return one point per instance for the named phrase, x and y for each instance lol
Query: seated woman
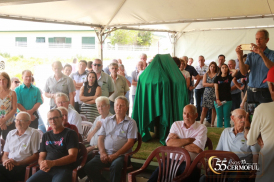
(223, 101)
(65, 123)
(88, 94)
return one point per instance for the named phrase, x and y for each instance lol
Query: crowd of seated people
(99, 95)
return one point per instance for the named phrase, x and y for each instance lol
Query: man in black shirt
(58, 151)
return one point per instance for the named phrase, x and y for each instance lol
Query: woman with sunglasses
(8, 105)
(223, 101)
(14, 83)
(88, 94)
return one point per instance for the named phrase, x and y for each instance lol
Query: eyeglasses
(16, 82)
(20, 120)
(97, 65)
(54, 118)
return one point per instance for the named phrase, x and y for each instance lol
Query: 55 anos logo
(217, 165)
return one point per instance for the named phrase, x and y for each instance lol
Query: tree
(131, 37)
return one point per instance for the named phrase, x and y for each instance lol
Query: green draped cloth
(161, 95)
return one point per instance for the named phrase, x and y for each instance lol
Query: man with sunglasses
(21, 149)
(14, 83)
(58, 151)
(104, 80)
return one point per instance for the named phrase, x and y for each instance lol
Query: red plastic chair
(170, 167)
(203, 158)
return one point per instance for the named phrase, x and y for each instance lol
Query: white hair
(233, 113)
(60, 94)
(113, 64)
(62, 108)
(25, 113)
(102, 99)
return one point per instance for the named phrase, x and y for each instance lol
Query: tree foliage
(131, 37)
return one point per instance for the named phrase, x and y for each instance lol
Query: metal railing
(21, 44)
(59, 45)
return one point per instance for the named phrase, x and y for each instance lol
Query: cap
(270, 76)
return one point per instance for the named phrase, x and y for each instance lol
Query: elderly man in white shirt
(187, 134)
(74, 118)
(20, 150)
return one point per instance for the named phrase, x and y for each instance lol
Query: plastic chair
(86, 127)
(81, 160)
(167, 168)
(209, 144)
(203, 158)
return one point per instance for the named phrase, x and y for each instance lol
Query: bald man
(29, 98)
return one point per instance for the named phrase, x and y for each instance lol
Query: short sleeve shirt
(74, 118)
(64, 85)
(120, 87)
(224, 87)
(237, 144)
(117, 135)
(28, 97)
(258, 70)
(78, 79)
(201, 72)
(57, 145)
(106, 84)
(21, 147)
(191, 71)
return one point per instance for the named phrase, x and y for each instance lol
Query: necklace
(89, 86)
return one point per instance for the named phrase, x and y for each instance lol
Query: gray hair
(25, 113)
(57, 62)
(122, 98)
(143, 54)
(102, 99)
(52, 110)
(266, 34)
(234, 62)
(62, 108)
(113, 64)
(13, 78)
(121, 65)
(60, 94)
(233, 113)
(115, 61)
(98, 60)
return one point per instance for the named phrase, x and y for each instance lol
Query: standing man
(134, 75)
(221, 61)
(120, 85)
(29, 98)
(143, 58)
(58, 152)
(235, 92)
(261, 132)
(129, 79)
(104, 80)
(79, 77)
(74, 117)
(21, 149)
(59, 83)
(199, 90)
(106, 69)
(116, 138)
(190, 61)
(193, 73)
(259, 61)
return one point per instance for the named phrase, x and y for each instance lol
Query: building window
(60, 42)
(21, 41)
(40, 40)
(88, 42)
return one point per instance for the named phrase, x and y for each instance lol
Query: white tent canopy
(174, 16)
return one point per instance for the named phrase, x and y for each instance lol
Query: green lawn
(147, 147)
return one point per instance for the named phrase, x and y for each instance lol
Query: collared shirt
(201, 71)
(258, 70)
(196, 130)
(21, 147)
(28, 97)
(78, 79)
(237, 144)
(106, 84)
(120, 87)
(94, 139)
(117, 135)
(64, 85)
(134, 76)
(75, 119)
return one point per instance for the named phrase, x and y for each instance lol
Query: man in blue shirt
(259, 61)
(29, 98)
